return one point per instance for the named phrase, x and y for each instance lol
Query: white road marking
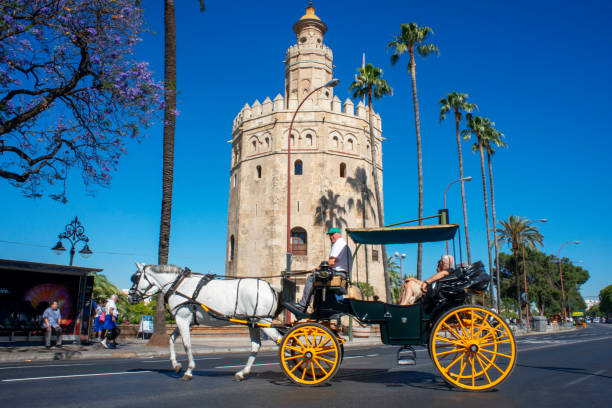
(242, 365)
(564, 343)
(267, 364)
(75, 375)
(195, 359)
(584, 377)
(47, 365)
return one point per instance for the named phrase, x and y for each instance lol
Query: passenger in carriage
(414, 289)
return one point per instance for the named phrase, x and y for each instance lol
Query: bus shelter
(28, 288)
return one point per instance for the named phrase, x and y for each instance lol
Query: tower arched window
(349, 145)
(231, 248)
(336, 142)
(342, 169)
(298, 168)
(299, 241)
(267, 143)
(292, 141)
(254, 146)
(308, 140)
(258, 172)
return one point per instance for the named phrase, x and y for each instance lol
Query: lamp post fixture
(330, 84)
(561, 275)
(525, 274)
(74, 233)
(468, 178)
(400, 257)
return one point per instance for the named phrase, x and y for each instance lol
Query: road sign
(146, 325)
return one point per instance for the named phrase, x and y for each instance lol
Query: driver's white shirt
(340, 251)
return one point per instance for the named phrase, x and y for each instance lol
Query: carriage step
(406, 356)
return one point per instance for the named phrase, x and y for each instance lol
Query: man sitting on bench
(414, 289)
(338, 262)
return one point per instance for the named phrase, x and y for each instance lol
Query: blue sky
(539, 70)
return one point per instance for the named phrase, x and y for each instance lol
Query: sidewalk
(132, 348)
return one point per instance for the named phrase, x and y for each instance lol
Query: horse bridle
(134, 290)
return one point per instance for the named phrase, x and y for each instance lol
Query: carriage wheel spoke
(446, 340)
(484, 369)
(473, 370)
(324, 359)
(299, 350)
(447, 369)
(496, 353)
(442, 353)
(491, 362)
(294, 357)
(463, 329)
(298, 340)
(296, 366)
(312, 370)
(325, 372)
(452, 331)
(496, 342)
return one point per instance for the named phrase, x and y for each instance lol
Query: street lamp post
(400, 257)
(74, 233)
(330, 84)
(469, 178)
(561, 275)
(525, 275)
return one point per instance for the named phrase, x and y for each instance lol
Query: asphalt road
(561, 370)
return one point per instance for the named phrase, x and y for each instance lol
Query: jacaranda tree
(71, 92)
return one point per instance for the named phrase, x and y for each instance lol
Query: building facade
(331, 170)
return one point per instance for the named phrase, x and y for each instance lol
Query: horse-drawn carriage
(471, 346)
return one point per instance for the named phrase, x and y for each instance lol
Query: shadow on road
(569, 370)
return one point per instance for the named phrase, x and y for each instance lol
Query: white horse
(230, 298)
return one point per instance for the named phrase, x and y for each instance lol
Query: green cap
(334, 230)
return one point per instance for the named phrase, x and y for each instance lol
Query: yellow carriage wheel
(473, 348)
(310, 354)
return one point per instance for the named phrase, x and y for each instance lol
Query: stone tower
(331, 170)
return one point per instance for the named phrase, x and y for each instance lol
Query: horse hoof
(187, 377)
(178, 368)
(238, 377)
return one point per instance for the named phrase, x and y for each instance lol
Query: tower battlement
(321, 104)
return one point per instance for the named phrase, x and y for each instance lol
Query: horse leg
(183, 324)
(175, 364)
(255, 334)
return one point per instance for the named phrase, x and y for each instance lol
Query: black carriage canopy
(403, 235)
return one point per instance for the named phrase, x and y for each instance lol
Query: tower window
(303, 40)
(299, 243)
(375, 255)
(253, 146)
(292, 141)
(258, 172)
(336, 142)
(349, 145)
(231, 248)
(308, 140)
(298, 167)
(342, 170)
(267, 143)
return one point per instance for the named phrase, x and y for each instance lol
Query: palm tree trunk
(465, 219)
(486, 209)
(159, 336)
(417, 122)
(494, 226)
(518, 283)
(381, 216)
(365, 247)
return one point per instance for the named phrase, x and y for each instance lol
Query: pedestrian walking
(99, 319)
(52, 320)
(110, 323)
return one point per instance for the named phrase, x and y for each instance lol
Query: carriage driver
(338, 261)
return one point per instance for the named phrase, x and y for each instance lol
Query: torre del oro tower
(331, 170)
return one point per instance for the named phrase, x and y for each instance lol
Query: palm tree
(494, 137)
(414, 36)
(479, 126)
(457, 103)
(368, 81)
(159, 337)
(514, 232)
(359, 183)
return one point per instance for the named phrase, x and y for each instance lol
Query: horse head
(142, 285)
